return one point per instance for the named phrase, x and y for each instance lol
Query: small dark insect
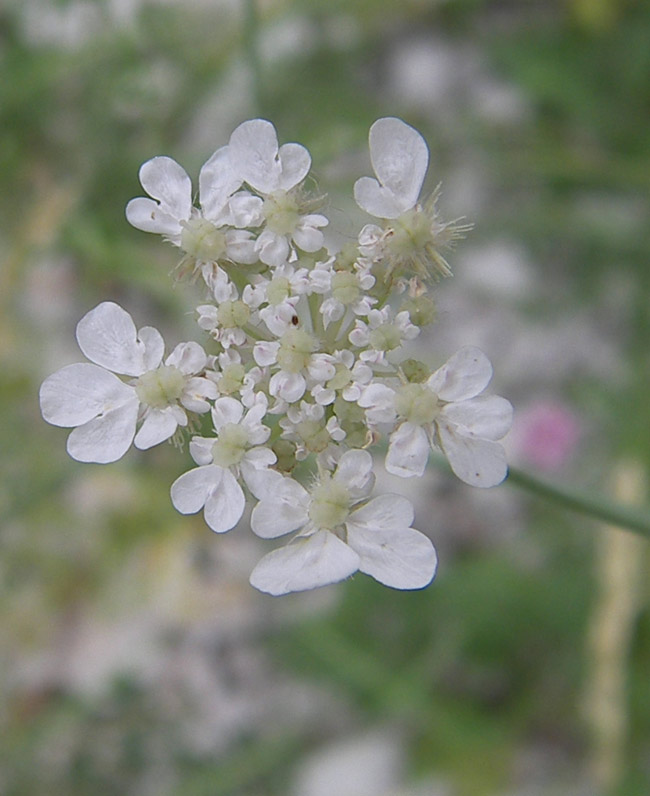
(294, 320)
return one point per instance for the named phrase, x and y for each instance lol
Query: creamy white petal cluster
(303, 362)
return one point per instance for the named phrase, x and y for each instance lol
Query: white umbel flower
(275, 172)
(237, 451)
(103, 409)
(413, 232)
(206, 235)
(447, 412)
(339, 532)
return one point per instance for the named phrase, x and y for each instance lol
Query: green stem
(637, 520)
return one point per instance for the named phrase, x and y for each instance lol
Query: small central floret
(417, 404)
(411, 233)
(161, 387)
(345, 287)
(202, 240)
(296, 348)
(231, 446)
(278, 290)
(233, 314)
(330, 504)
(280, 210)
(385, 337)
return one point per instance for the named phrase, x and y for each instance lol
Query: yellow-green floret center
(202, 240)
(411, 234)
(233, 314)
(231, 445)
(345, 287)
(280, 210)
(330, 504)
(296, 347)
(417, 404)
(161, 387)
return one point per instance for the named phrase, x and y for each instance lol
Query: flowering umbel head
(413, 236)
(303, 363)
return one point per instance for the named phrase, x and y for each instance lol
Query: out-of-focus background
(134, 656)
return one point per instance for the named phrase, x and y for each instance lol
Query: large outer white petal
(402, 558)
(225, 505)
(190, 491)
(464, 375)
(254, 154)
(400, 158)
(166, 180)
(147, 215)
(213, 488)
(106, 438)
(75, 394)
(487, 416)
(217, 182)
(383, 513)
(375, 199)
(281, 511)
(158, 426)
(408, 451)
(295, 162)
(476, 461)
(108, 337)
(154, 347)
(305, 563)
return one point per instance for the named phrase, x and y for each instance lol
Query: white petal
(308, 238)
(217, 182)
(263, 483)
(375, 199)
(383, 513)
(402, 558)
(201, 449)
(154, 347)
(476, 461)
(464, 375)
(306, 563)
(106, 438)
(487, 416)
(226, 410)
(257, 459)
(254, 152)
(400, 158)
(225, 505)
(190, 491)
(148, 216)
(108, 337)
(158, 426)
(272, 249)
(265, 353)
(408, 451)
(295, 161)
(355, 470)
(165, 180)
(379, 400)
(282, 510)
(75, 394)
(290, 386)
(189, 358)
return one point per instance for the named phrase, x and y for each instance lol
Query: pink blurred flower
(545, 435)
